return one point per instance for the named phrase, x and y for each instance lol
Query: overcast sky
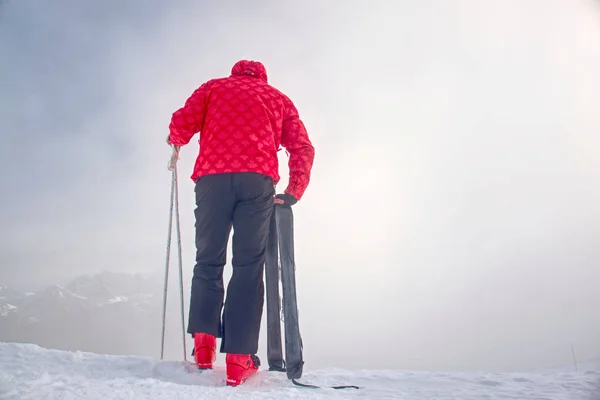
(453, 217)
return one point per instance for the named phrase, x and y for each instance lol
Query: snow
(118, 299)
(31, 372)
(61, 292)
(6, 308)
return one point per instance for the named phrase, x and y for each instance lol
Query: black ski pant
(243, 201)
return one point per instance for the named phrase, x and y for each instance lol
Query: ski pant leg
(245, 292)
(215, 202)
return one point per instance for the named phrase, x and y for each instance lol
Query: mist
(452, 221)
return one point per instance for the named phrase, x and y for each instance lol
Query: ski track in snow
(30, 372)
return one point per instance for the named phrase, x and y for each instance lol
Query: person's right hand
(284, 199)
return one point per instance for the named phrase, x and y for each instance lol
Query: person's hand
(285, 199)
(174, 157)
(169, 140)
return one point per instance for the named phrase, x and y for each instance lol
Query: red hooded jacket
(243, 121)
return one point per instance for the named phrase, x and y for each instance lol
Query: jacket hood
(252, 68)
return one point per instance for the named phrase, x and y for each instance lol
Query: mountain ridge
(123, 309)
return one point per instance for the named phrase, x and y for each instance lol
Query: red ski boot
(240, 367)
(205, 350)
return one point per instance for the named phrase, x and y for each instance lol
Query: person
(243, 122)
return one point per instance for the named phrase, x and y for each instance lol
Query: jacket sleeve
(295, 140)
(189, 119)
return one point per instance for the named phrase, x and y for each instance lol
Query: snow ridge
(31, 372)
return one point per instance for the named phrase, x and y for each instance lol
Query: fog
(453, 216)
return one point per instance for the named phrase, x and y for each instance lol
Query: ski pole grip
(174, 158)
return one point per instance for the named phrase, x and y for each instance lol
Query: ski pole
(172, 166)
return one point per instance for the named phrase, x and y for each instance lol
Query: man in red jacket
(242, 122)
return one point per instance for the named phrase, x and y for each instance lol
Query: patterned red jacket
(243, 121)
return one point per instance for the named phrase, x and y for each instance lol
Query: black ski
(293, 341)
(274, 349)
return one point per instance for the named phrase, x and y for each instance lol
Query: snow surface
(30, 372)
